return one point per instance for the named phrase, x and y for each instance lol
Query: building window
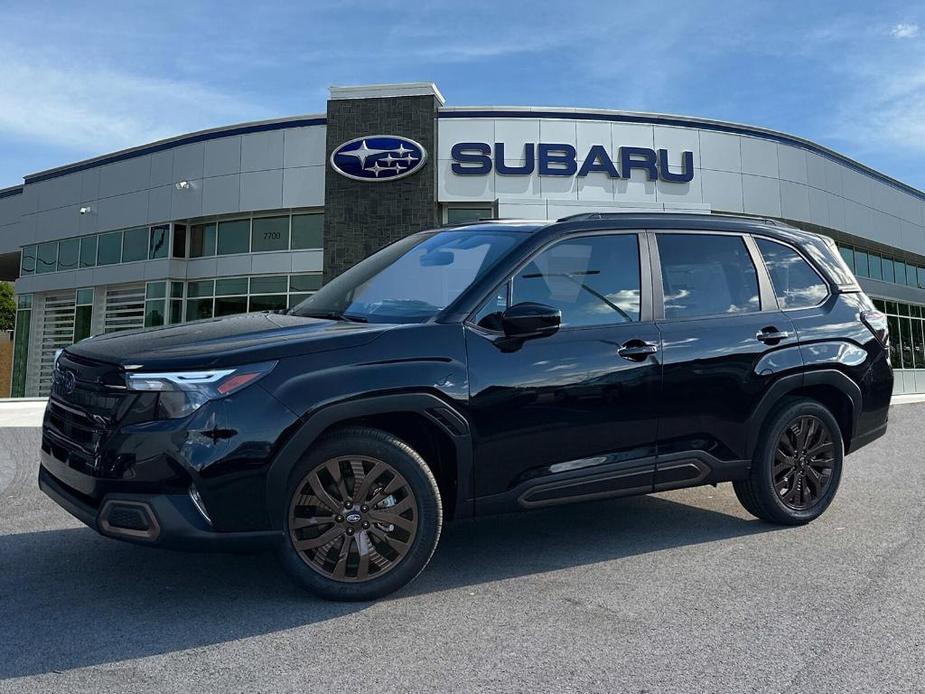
(134, 244)
(159, 242)
(175, 305)
(847, 253)
(68, 252)
(199, 299)
(46, 259)
(230, 296)
(270, 234)
(234, 237)
(21, 345)
(109, 251)
(155, 304)
(861, 267)
(83, 314)
(302, 286)
(88, 251)
(179, 240)
(27, 261)
(202, 240)
(873, 266)
(268, 293)
(307, 230)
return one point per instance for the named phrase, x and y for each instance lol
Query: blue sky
(82, 79)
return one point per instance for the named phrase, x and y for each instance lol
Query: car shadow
(69, 598)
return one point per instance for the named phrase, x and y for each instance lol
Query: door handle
(771, 335)
(637, 350)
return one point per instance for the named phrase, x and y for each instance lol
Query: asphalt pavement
(675, 592)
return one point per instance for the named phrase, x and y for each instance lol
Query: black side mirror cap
(529, 319)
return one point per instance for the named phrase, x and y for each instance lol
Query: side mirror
(529, 319)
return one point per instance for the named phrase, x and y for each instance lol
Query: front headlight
(181, 393)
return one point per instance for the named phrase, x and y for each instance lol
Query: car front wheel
(363, 516)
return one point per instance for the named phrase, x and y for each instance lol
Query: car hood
(228, 341)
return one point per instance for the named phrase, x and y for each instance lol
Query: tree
(7, 306)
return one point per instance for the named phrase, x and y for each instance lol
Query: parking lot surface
(680, 591)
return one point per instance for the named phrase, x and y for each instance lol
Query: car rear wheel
(363, 516)
(797, 465)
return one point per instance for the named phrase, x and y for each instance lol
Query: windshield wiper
(334, 315)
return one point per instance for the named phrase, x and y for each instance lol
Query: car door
(724, 339)
(570, 414)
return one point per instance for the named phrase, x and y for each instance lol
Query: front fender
(438, 411)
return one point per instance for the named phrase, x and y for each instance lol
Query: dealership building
(257, 216)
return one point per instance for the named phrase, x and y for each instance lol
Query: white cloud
(905, 31)
(93, 110)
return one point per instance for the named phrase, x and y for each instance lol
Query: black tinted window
(592, 280)
(706, 275)
(796, 284)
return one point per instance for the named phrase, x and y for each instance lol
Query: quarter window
(795, 282)
(706, 275)
(592, 280)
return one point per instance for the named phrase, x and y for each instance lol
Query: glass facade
(907, 333)
(878, 266)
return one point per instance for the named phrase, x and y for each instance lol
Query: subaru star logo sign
(378, 158)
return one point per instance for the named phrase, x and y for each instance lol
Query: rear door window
(796, 284)
(707, 275)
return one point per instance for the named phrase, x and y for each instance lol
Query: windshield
(411, 280)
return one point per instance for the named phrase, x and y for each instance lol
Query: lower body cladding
(601, 478)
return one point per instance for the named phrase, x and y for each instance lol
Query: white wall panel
(720, 151)
(303, 186)
(453, 130)
(305, 146)
(127, 176)
(121, 211)
(759, 157)
(162, 168)
(761, 195)
(262, 151)
(722, 189)
(262, 190)
(794, 201)
(221, 194)
(222, 156)
(188, 162)
(791, 162)
(159, 204)
(188, 202)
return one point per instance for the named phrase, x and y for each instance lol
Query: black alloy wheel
(797, 464)
(804, 462)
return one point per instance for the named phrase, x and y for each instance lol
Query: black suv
(472, 370)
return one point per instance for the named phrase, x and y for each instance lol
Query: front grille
(82, 412)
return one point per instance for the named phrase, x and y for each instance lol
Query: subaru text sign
(560, 159)
(378, 158)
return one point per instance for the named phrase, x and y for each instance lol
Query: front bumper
(160, 520)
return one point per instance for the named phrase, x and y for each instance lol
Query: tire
(368, 550)
(793, 478)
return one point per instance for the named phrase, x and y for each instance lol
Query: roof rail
(588, 216)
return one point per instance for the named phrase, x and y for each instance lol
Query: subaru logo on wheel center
(378, 158)
(353, 517)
